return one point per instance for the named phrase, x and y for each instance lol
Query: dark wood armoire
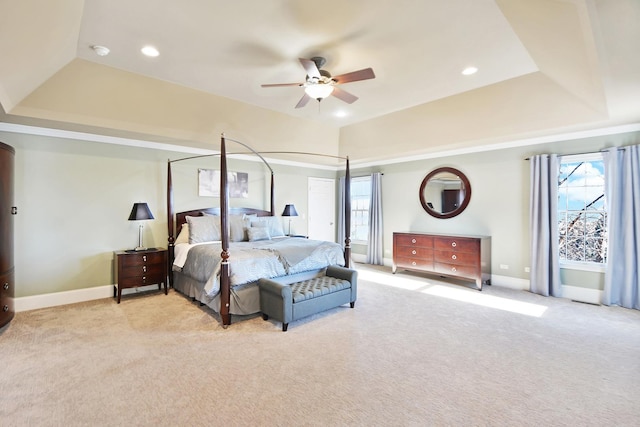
(7, 211)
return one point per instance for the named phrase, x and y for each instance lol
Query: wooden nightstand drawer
(132, 282)
(140, 269)
(143, 270)
(129, 259)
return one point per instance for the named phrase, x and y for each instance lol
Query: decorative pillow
(246, 224)
(204, 228)
(272, 223)
(236, 228)
(258, 233)
(183, 235)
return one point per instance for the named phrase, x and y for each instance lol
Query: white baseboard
(575, 293)
(510, 282)
(71, 297)
(361, 258)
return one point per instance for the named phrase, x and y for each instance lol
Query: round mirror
(445, 192)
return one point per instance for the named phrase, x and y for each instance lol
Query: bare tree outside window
(582, 215)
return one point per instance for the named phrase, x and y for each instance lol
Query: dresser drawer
(138, 259)
(460, 244)
(412, 263)
(413, 240)
(457, 258)
(414, 252)
(466, 271)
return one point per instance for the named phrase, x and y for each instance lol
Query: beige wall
(499, 204)
(74, 198)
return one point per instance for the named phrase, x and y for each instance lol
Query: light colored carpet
(414, 351)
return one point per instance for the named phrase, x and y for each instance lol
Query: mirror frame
(465, 200)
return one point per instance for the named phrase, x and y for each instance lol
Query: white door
(322, 209)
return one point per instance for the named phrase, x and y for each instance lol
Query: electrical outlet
(504, 267)
(527, 270)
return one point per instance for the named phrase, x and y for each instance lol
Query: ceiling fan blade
(282, 84)
(355, 76)
(303, 101)
(310, 67)
(344, 95)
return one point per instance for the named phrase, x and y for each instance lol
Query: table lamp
(289, 210)
(139, 212)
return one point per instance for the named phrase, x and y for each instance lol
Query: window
(582, 215)
(360, 200)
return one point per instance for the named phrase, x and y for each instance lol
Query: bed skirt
(245, 299)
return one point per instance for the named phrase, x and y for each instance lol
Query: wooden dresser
(460, 256)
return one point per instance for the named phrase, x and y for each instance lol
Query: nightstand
(140, 268)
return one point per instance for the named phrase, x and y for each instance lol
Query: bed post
(347, 216)
(273, 204)
(171, 240)
(225, 291)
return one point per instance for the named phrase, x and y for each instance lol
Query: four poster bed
(217, 255)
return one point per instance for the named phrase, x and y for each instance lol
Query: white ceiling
(578, 57)
(416, 48)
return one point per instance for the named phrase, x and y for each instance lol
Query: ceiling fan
(319, 83)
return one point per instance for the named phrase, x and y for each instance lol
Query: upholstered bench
(286, 303)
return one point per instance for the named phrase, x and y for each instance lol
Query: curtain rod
(365, 176)
(584, 153)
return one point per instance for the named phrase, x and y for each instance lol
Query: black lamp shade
(289, 210)
(139, 212)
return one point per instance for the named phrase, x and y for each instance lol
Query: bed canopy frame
(224, 211)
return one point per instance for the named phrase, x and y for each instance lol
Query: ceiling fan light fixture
(319, 91)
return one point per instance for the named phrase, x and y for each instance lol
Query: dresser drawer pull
(144, 258)
(144, 268)
(413, 263)
(454, 256)
(5, 308)
(454, 244)
(453, 269)
(413, 240)
(144, 278)
(5, 286)
(414, 252)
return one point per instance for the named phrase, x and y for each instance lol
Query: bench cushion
(316, 287)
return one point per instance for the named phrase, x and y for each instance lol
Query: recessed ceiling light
(469, 70)
(341, 113)
(100, 50)
(150, 51)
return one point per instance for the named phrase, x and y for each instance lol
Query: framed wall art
(209, 183)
